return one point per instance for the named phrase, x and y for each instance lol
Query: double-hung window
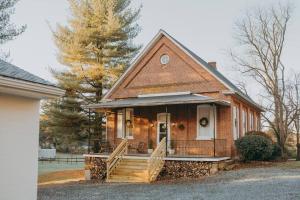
(244, 121)
(125, 123)
(251, 121)
(236, 122)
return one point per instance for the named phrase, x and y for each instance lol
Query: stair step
(116, 180)
(132, 167)
(134, 174)
(134, 162)
(124, 178)
(128, 170)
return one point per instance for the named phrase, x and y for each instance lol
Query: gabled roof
(12, 71)
(211, 70)
(18, 82)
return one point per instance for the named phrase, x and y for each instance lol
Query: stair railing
(156, 160)
(115, 157)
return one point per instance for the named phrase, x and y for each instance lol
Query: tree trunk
(298, 147)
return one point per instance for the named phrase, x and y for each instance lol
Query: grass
(289, 165)
(61, 175)
(54, 166)
(54, 171)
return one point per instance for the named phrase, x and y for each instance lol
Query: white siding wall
(19, 129)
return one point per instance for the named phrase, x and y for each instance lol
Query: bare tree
(294, 103)
(261, 34)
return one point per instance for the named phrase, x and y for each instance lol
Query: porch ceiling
(158, 100)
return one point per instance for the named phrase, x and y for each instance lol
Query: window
(129, 123)
(125, 123)
(236, 122)
(206, 116)
(164, 59)
(244, 121)
(251, 121)
(120, 122)
(257, 123)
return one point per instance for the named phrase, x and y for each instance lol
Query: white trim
(147, 48)
(169, 127)
(28, 89)
(163, 94)
(199, 136)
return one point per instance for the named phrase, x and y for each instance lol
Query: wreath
(203, 121)
(129, 123)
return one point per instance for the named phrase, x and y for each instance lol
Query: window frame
(124, 130)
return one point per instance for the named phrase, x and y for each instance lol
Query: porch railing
(209, 148)
(156, 160)
(201, 148)
(116, 156)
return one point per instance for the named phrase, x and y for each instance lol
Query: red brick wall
(182, 73)
(180, 114)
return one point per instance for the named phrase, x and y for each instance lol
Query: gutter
(10, 85)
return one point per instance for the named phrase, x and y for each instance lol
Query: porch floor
(169, 157)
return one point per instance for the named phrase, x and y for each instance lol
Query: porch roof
(158, 100)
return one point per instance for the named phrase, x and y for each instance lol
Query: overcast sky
(204, 26)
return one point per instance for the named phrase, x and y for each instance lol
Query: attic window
(164, 59)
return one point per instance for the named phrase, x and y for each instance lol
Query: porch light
(151, 124)
(174, 124)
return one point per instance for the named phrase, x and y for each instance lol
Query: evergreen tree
(8, 31)
(96, 46)
(63, 119)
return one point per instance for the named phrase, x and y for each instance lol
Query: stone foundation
(97, 167)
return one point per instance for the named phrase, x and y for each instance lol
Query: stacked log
(185, 169)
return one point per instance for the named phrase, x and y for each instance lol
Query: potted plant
(150, 146)
(172, 145)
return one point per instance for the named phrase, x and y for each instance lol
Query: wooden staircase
(130, 170)
(121, 168)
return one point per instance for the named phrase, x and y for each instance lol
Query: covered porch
(192, 124)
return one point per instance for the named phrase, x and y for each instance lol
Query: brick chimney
(213, 64)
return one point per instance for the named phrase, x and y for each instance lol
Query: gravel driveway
(256, 183)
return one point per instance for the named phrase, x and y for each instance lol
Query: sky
(204, 26)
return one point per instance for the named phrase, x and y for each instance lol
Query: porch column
(214, 130)
(167, 131)
(89, 136)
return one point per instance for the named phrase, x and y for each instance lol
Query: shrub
(259, 133)
(254, 147)
(276, 153)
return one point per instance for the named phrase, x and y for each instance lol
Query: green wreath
(203, 122)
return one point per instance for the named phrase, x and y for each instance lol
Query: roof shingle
(12, 71)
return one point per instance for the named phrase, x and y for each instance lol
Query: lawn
(289, 165)
(58, 172)
(61, 176)
(54, 166)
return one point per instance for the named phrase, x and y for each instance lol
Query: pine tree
(96, 46)
(8, 31)
(63, 119)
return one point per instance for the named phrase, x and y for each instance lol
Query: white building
(20, 95)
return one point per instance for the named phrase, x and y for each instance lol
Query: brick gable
(182, 73)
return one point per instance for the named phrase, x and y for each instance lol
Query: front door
(163, 126)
